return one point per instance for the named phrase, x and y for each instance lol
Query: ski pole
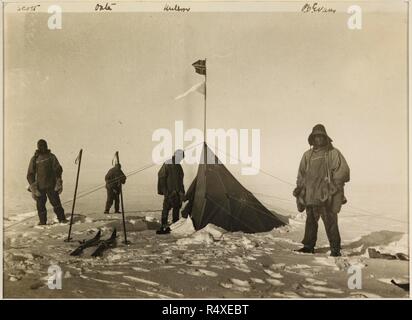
(122, 205)
(78, 161)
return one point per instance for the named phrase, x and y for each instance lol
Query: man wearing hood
(322, 175)
(170, 185)
(114, 180)
(45, 178)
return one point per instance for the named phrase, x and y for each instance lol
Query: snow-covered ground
(210, 263)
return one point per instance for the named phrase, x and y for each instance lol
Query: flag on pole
(115, 160)
(200, 87)
(200, 66)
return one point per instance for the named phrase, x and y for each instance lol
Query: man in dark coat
(45, 181)
(114, 179)
(170, 185)
(322, 175)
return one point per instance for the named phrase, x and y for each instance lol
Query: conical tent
(217, 197)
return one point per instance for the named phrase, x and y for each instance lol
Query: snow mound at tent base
(207, 235)
(183, 227)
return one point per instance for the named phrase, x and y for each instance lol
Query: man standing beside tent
(170, 185)
(45, 178)
(114, 179)
(322, 174)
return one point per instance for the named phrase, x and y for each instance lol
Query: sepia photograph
(205, 150)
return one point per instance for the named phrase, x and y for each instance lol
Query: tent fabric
(215, 196)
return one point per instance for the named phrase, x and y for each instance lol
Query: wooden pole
(79, 161)
(204, 117)
(122, 205)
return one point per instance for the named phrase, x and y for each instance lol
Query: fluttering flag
(200, 66)
(115, 160)
(200, 87)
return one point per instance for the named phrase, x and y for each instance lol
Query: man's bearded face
(319, 140)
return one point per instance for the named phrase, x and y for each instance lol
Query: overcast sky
(106, 82)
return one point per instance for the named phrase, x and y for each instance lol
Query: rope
(131, 173)
(94, 189)
(355, 213)
(273, 196)
(101, 186)
(259, 169)
(379, 217)
(86, 193)
(366, 213)
(276, 208)
(243, 200)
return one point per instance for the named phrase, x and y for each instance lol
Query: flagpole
(200, 68)
(204, 116)
(204, 125)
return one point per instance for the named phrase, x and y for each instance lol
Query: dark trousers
(170, 202)
(112, 195)
(330, 220)
(54, 199)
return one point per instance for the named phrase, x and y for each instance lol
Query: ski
(86, 244)
(404, 286)
(105, 244)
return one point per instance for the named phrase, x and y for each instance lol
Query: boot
(335, 253)
(306, 250)
(59, 211)
(42, 218)
(164, 229)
